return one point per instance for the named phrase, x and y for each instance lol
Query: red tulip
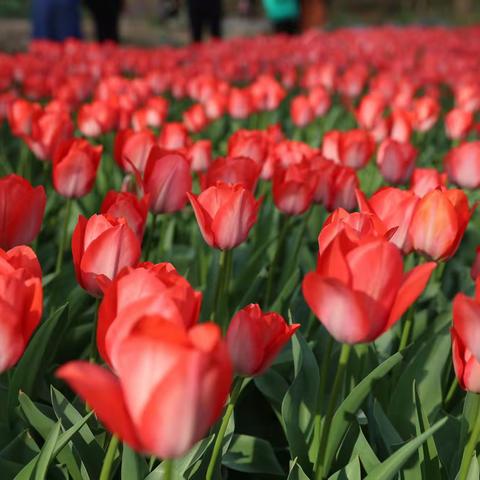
(465, 340)
(153, 114)
(255, 338)
(439, 222)
(163, 410)
(353, 148)
(128, 206)
(21, 301)
(147, 289)
(174, 136)
(225, 214)
(132, 149)
(458, 123)
(370, 110)
(97, 118)
(396, 161)
(424, 180)
(293, 188)
(400, 126)
(241, 170)
(195, 118)
(253, 144)
(425, 113)
(395, 209)
(20, 116)
(462, 165)
(301, 111)
(75, 167)
(475, 270)
(239, 103)
(167, 180)
(359, 290)
(319, 100)
(200, 155)
(334, 184)
(101, 247)
(21, 211)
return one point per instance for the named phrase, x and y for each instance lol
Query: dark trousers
(56, 19)
(286, 26)
(106, 14)
(205, 13)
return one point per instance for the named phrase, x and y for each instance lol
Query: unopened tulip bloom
(241, 170)
(319, 100)
(370, 110)
(127, 205)
(132, 149)
(174, 135)
(425, 113)
(253, 144)
(334, 184)
(21, 301)
(200, 155)
(147, 289)
(462, 165)
(195, 118)
(458, 123)
(96, 118)
(21, 211)
(466, 340)
(475, 270)
(424, 180)
(359, 290)
(353, 148)
(225, 214)
(396, 161)
(167, 180)
(163, 410)
(20, 116)
(439, 222)
(239, 103)
(301, 111)
(75, 165)
(255, 338)
(101, 247)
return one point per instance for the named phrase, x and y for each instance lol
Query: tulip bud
(458, 123)
(132, 149)
(462, 165)
(424, 180)
(396, 161)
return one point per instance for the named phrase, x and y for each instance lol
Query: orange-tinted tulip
(225, 214)
(166, 409)
(462, 165)
(167, 180)
(21, 211)
(75, 167)
(125, 204)
(21, 302)
(439, 222)
(359, 290)
(254, 338)
(101, 247)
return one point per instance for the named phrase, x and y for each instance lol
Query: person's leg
(195, 16)
(215, 17)
(41, 19)
(66, 19)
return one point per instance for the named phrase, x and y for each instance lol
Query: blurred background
(152, 22)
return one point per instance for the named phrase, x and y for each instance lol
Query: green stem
(237, 388)
(22, 163)
(407, 328)
(273, 266)
(221, 292)
(317, 433)
(451, 392)
(63, 238)
(108, 460)
(320, 467)
(470, 447)
(151, 234)
(167, 469)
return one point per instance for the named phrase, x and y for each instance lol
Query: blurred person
(203, 13)
(56, 19)
(314, 13)
(106, 15)
(284, 15)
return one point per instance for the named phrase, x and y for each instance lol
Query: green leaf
(474, 470)
(134, 466)
(347, 409)
(365, 452)
(21, 449)
(352, 471)
(286, 291)
(251, 455)
(300, 402)
(428, 453)
(296, 472)
(273, 386)
(46, 454)
(389, 468)
(32, 363)
(84, 442)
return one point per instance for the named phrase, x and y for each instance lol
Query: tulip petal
(413, 285)
(466, 320)
(103, 392)
(204, 220)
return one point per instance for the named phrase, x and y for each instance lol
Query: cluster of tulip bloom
(174, 199)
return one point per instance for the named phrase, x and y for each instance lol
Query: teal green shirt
(278, 10)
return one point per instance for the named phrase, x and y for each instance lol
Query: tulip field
(254, 258)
